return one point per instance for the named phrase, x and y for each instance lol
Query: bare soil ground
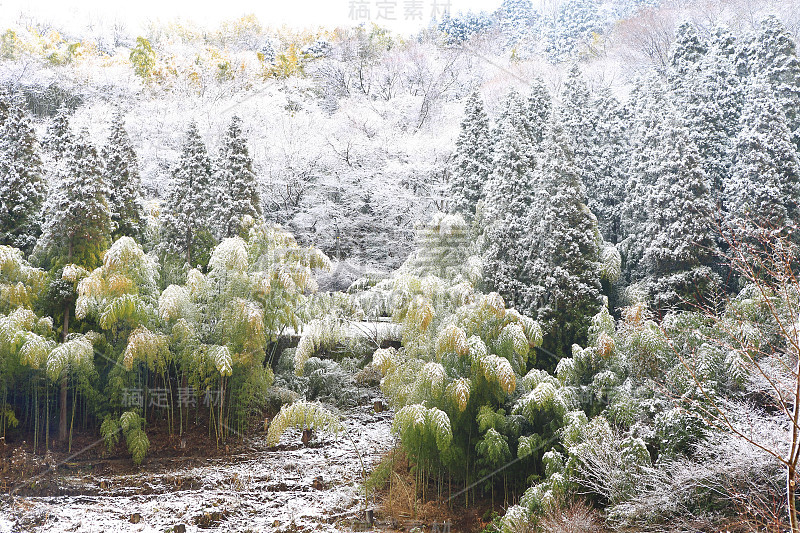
(243, 486)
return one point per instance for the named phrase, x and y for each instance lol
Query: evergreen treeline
(560, 190)
(654, 243)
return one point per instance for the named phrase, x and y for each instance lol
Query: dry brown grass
(400, 504)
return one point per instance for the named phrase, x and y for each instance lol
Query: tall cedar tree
(723, 80)
(687, 52)
(508, 199)
(517, 112)
(764, 187)
(472, 161)
(59, 137)
(125, 184)
(680, 228)
(646, 107)
(22, 187)
(77, 217)
(540, 108)
(562, 249)
(187, 217)
(77, 228)
(611, 146)
(772, 55)
(239, 196)
(694, 72)
(579, 119)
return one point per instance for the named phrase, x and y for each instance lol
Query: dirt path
(283, 490)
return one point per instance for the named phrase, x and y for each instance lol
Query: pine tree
(59, 136)
(239, 197)
(679, 233)
(562, 264)
(122, 177)
(764, 187)
(472, 161)
(187, 217)
(77, 218)
(22, 187)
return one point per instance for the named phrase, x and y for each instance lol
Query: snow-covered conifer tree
(680, 233)
(540, 107)
(578, 25)
(518, 112)
(187, 215)
(239, 197)
(579, 119)
(472, 161)
(687, 52)
(561, 264)
(513, 161)
(647, 109)
(764, 186)
(509, 196)
(704, 86)
(610, 147)
(124, 182)
(59, 135)
(22, 188)
(773, 57)
(725, 84)
(515, 16)
(462, 27)
(77, 219)
(76, 229)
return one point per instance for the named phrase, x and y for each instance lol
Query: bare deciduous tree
(759, 331)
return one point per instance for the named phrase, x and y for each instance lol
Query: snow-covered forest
(533, 268)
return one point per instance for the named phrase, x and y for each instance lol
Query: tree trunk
(62, 420)
(790, 499)
(791, 465)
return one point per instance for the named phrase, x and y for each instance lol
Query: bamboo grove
(193, 352)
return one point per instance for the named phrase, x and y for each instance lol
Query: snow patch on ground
(5, 524)
(266, 490)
